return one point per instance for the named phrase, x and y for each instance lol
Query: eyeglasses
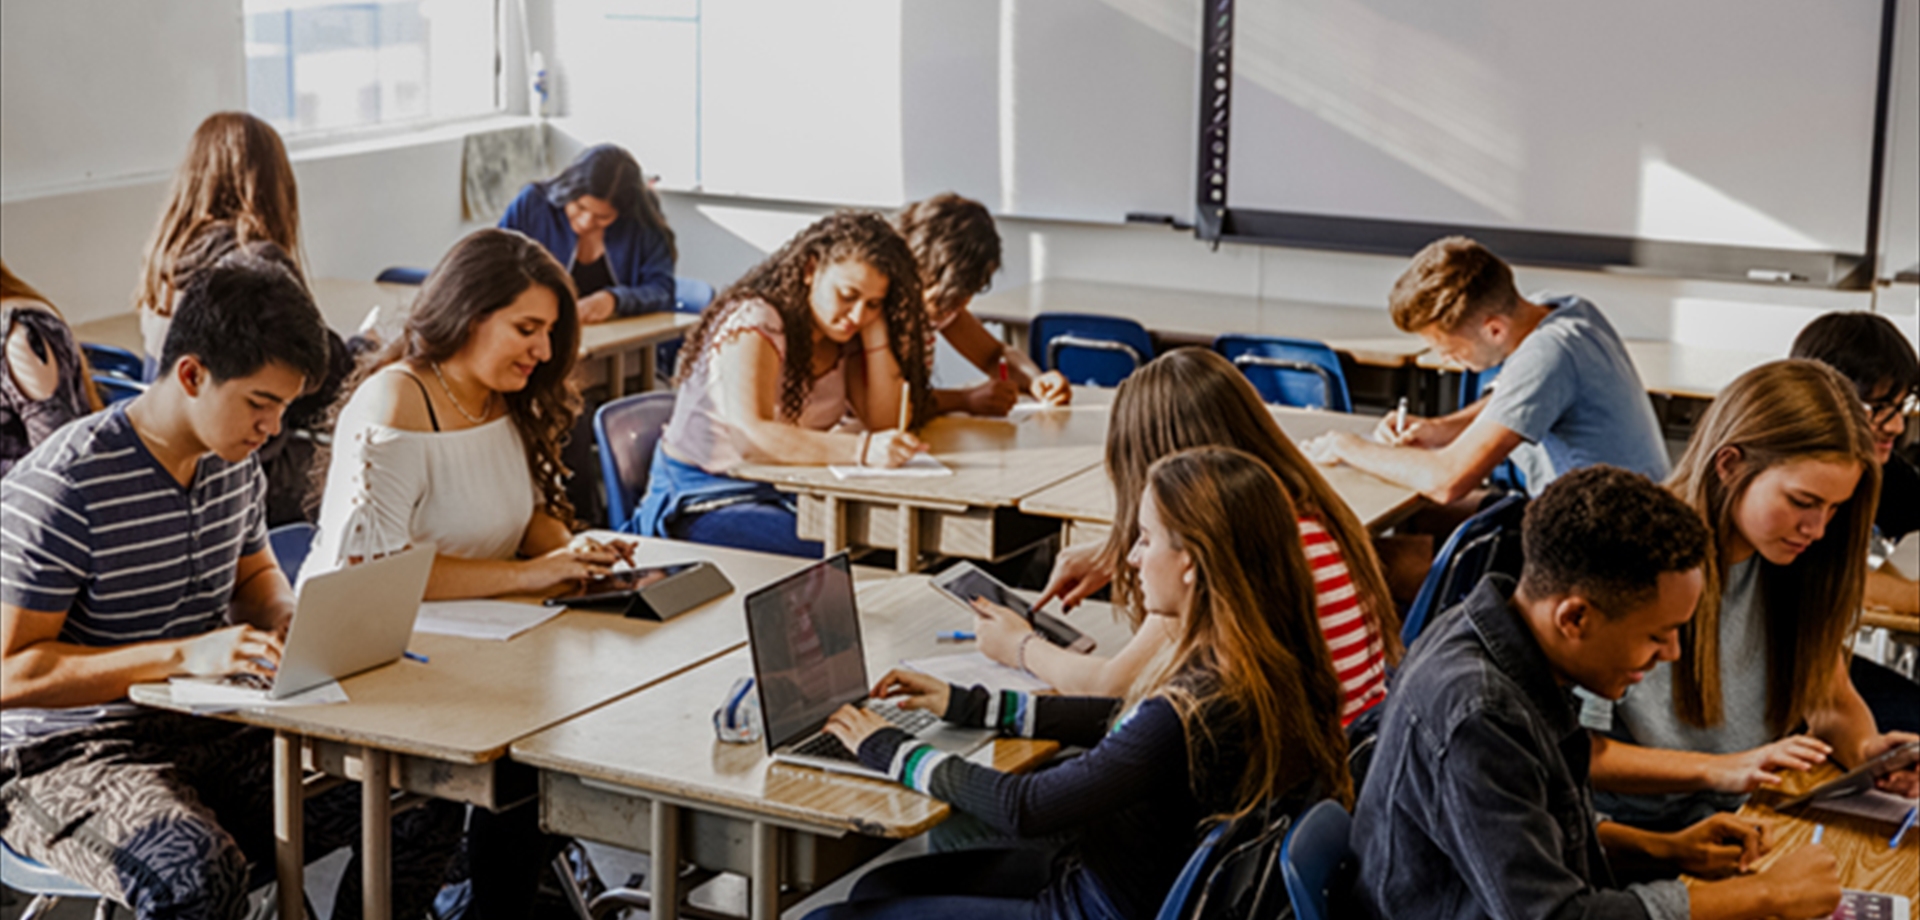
(1882, 410)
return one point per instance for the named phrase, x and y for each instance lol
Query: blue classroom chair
(115, 389)
(626, 431)
(1473, 385)
(401, 274)
(1487, 542)
(690, 295)
(46, 886)
(1289, 372)
(1089, 349)
(290, 543)
(1311, 858)
(1187, 886)
(114, 361)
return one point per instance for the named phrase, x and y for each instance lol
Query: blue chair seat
(114, 361)
(1089, 349)
(1311, 859)
(1289, 372)
(290, 543)
(626, 431)
(690, 295)
(1487, 542)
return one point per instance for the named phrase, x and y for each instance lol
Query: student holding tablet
(1783, 469)
(1192, 397)
(135, 548)
(1242, 717)
(818, 355)
(604, 225)
(954, 241)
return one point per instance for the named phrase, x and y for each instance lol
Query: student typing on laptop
(134, 545)
(1248, 713)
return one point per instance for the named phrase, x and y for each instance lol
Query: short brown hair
(1608, 534)
(954, 240)
(1449, 282)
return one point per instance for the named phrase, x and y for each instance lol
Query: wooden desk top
(995, 462)
(1860, 845)
(476, 697)
(1669, 369)
(680, 756)
(1367, 334)
(342, 301)
(1089, 496)
(633, 332)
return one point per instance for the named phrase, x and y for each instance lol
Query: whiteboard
(1729, 122)
(1067, 109)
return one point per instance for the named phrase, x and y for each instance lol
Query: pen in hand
(1400, 421)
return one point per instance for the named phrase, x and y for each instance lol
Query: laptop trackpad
(954, 739)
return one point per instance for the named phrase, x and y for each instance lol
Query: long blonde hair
(236, 172)
(1191, 397)
(1250, 669)
(1780, 412)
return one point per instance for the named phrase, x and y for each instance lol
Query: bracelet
(860, 456)
(1020, 655)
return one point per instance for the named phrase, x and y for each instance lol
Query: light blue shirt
(1571, 393)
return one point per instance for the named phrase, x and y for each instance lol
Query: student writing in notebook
(1783, 469)
(1477, 803)
(135, 549)
(1241, 717)
(954, 241)
(603, 223)
(1192, 397)
(804, 360)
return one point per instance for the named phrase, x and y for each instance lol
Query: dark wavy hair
(484, 272)
(608, 172)
(955, 242)
(785, 280)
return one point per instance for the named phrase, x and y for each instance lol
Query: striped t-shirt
(93, 525)
(1359, 655)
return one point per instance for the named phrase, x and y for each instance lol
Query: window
(319, 65)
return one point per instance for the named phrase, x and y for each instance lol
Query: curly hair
(1608, 534)
(486, 271)
(956, 244)
(785, 281)
(1449, 282)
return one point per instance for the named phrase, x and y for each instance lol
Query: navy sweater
(637, 257)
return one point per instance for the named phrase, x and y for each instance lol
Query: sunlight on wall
(762, 229)
(1675, 205)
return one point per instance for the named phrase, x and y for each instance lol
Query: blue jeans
(742, 515)
(755, 525)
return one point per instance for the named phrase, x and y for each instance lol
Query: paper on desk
(968, 669)
(495, 620)
(922, 466)
(202, 694)
(1872, 804)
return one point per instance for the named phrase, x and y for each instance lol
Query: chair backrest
(1186, 887)
(1289, 372)
(1487, 542)
(28, 877)
(691, 295)
(114, 361)
(401, 274)
(290, 544)
(1089, 349)
(114, 389)
(626, 431)
(1311, 857)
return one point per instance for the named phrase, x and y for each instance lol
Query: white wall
(73, 218)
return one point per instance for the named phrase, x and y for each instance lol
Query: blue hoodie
(638, 258)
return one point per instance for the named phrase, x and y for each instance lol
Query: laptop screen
(807, 660)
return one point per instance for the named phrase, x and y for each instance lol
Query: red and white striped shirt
(1359, 655)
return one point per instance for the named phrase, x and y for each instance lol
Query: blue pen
(1819, 831)
(1906, 824)
(415, 656)
(954, 635)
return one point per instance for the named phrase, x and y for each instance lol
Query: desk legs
(376, 834)
(765, 883)
(289, 825)
(663, 842)
(907, 558)
(617, 374)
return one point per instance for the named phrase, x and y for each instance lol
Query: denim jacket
(1477, 803)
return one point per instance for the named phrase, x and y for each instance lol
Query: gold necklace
(485, 406)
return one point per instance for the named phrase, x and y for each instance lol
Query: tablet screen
(621, 585)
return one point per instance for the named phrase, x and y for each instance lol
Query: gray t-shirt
(1646, 716)
(1571, 392)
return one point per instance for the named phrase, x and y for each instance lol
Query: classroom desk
(442, 729)
(1368, 335)
(973, 513)
(1085, 502)
(1859, 845)
(684, 796)
(604, 348)
(343, 302)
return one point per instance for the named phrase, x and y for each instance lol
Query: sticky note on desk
(922, 466)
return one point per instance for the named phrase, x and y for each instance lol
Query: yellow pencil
(906, 404)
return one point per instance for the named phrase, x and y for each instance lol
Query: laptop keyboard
(826, 746)
(248, 680)
(912, 721)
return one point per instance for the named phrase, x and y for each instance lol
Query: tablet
(1860, 778)
(964, 581)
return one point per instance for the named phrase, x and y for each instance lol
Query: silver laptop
(351, 620)
(808, 661)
